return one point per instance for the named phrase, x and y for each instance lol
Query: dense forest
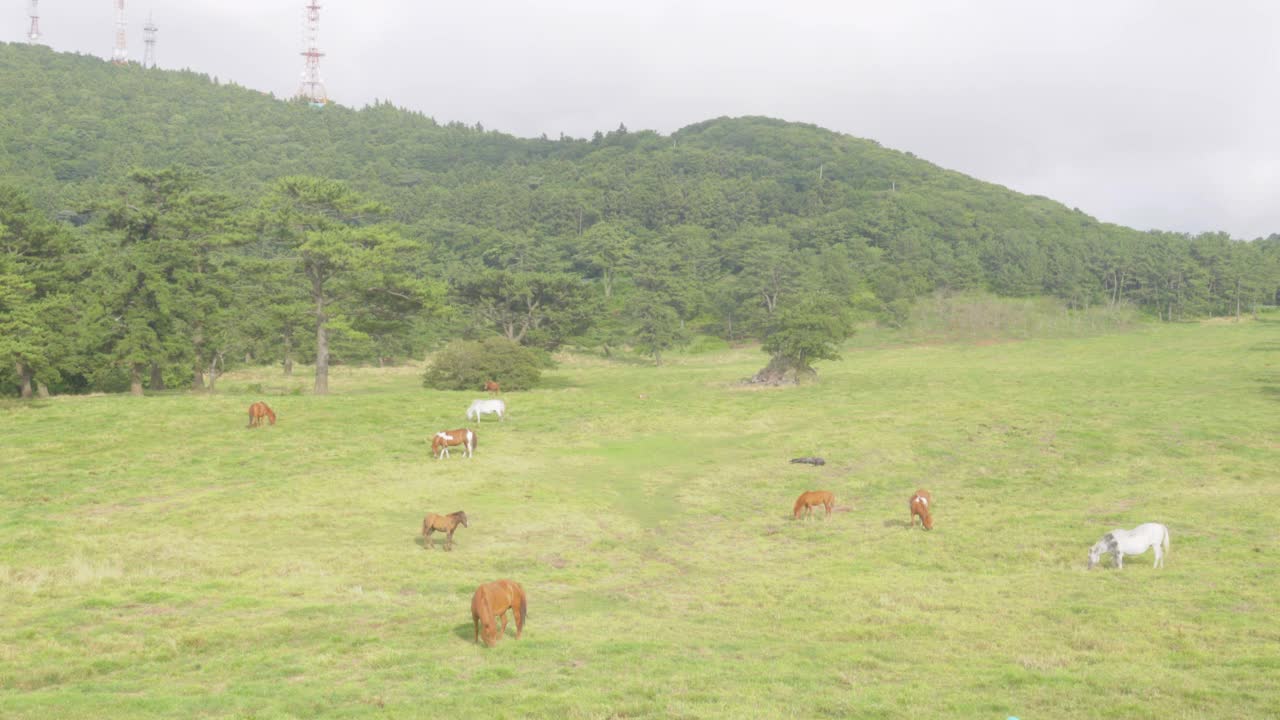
(158, 226)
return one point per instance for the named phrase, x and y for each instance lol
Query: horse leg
(1159, 556)
(448, 541)
(504, 623)
(426, 538)
(1119, 560)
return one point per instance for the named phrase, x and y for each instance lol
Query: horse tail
(524, 604)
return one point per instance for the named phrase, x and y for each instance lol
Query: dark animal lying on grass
(810, 460)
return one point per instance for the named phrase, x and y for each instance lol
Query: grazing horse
(260, 410)
(919, 505)
(492, 387)
(443, 523)
(480, 407)
(1132, 542)
(443, 440)
(808, 500)
(492, 600)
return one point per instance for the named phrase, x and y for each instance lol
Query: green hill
(717, 225)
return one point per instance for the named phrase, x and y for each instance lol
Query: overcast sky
(1149, 113)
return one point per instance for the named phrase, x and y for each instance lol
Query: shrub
(468, 365)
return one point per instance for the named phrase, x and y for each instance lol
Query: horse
(492, 600)
(492, 387)
(443, 440)
(259, 410)
(809, 460)
(443, 523)
(1132, 542)
(808, 500)
(919, 505)
(480, 407)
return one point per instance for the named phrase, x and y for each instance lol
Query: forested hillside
(155, 220)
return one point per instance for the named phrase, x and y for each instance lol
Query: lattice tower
(33, 35)
(149, 30)
(312, 87)
(120, 55)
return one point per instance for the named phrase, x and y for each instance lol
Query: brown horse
(492, 600)
(919, 505)
(443, 440)
(443, 523)
(492, 387)
(260, 410)
(808, 500)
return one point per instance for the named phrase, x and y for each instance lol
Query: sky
(1156, 114)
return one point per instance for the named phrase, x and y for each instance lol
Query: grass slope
(157, 559)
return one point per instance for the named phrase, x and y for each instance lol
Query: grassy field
(157, 559)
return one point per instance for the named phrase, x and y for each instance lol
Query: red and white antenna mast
(149, 30)
(120, 55)
(33, 35)
(312, 87)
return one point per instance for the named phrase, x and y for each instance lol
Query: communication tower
(120, 55)
(33, 35)
(312, 87)
(149, 30)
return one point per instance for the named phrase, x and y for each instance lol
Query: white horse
(479, 407)
(1132, 542)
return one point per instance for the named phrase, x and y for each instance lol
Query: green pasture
(160, 560)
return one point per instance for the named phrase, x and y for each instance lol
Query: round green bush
(468, 365)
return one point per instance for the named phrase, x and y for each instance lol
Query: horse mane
(457, 515)
(799, 504)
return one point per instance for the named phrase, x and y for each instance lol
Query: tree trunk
(197, 373)
(135, 379)
(42, 390)
(657, 358)
(775, 373)
(24, 378)
(288, 355)
(157, 377)
(322, 350)
(214, 370)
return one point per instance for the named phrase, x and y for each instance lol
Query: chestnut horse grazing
(259, 410)
(808, 500)
(492, 600)
(492, 387)
(919, 505)
(443, 523)
(445, 439)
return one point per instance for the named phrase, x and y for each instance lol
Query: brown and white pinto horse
(808, 500)
(443, 523)
(919, 505)
(492, 387)
(260, 410)
(443, 440)
(492, 600)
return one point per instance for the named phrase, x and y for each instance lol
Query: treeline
(158, 226)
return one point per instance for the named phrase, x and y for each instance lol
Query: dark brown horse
(492, 387)
(260, 410)
(492, 600)
(808, 500)
(443, 440)
(443, 523)
(919, 505)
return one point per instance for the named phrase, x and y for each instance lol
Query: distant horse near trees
(809, 500)
(443, 440)
(1132, 542)
(260, 410)
(491, 601)
(492, 387)
(445, 524)
(918, 505)
(481, 407)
